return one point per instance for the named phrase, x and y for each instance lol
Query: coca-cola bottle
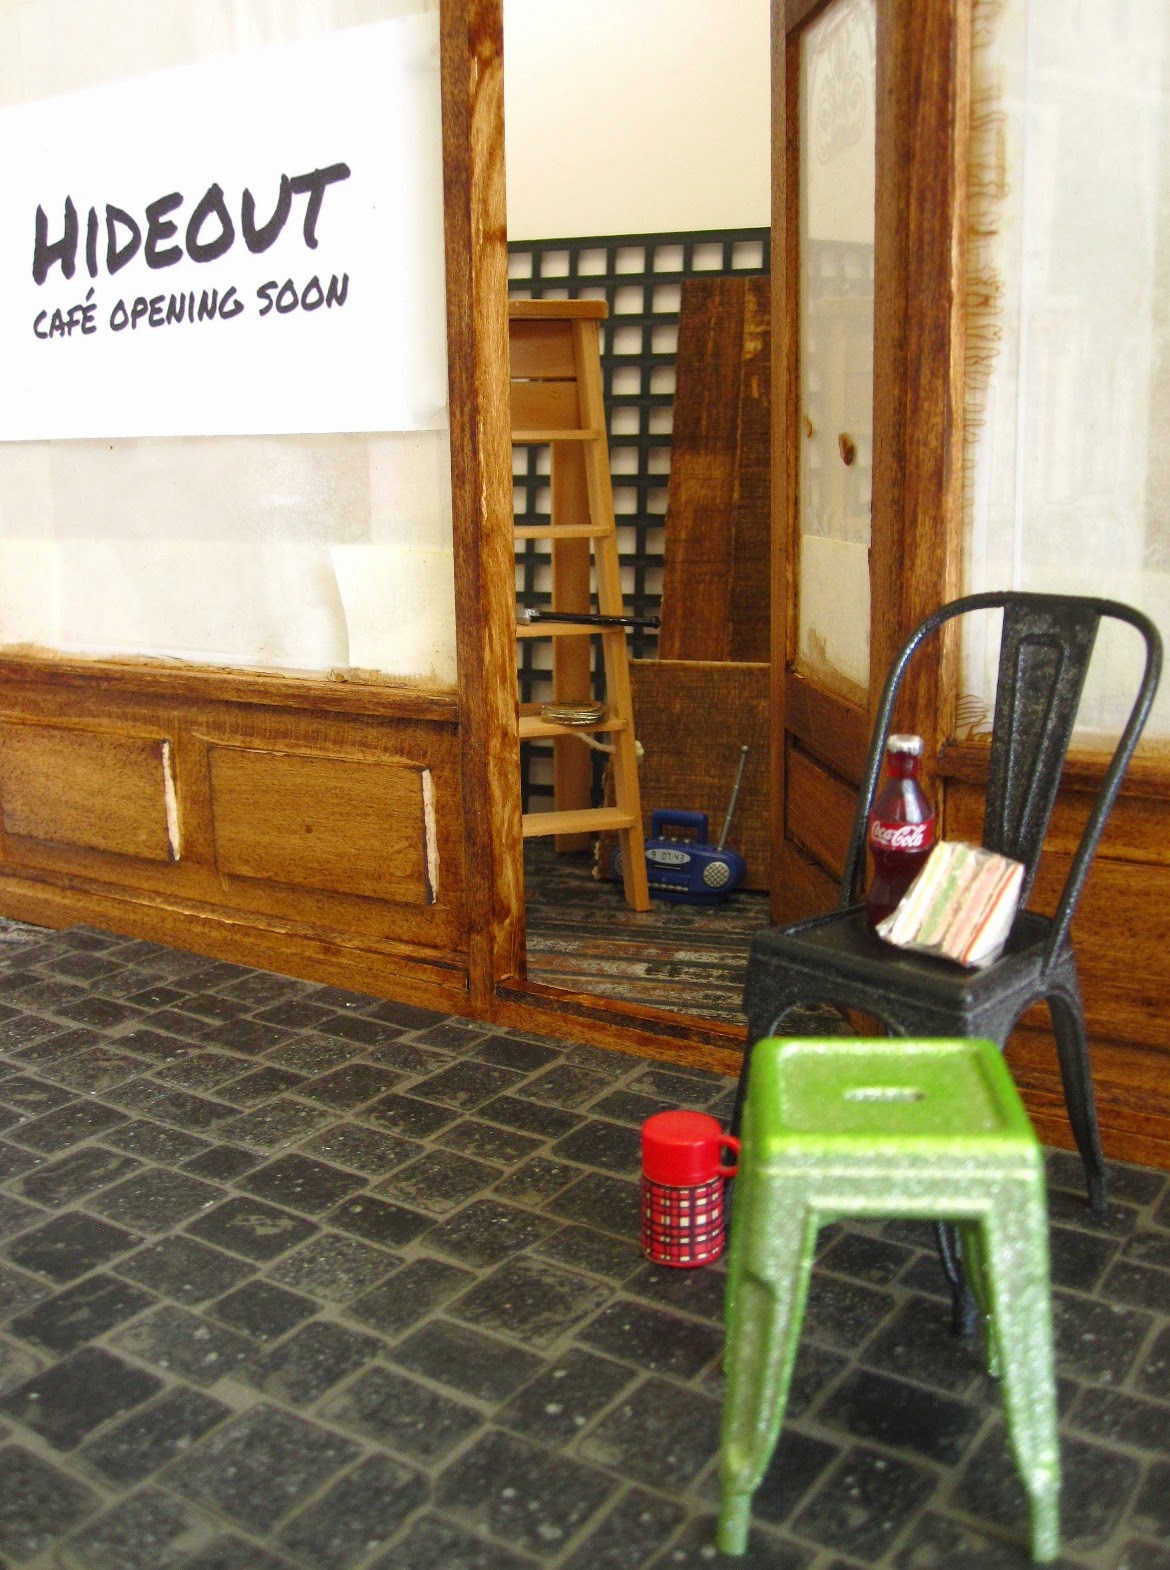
(901, 828)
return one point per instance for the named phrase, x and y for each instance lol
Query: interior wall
(636, 118)
(301, 551)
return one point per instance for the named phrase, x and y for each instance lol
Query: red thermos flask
(683, 1174)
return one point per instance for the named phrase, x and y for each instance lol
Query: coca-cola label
(901, 836)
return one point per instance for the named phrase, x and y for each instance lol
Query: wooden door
(867, 354)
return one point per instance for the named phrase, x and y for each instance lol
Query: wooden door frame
(476, 247)
(923, 67)
(481, 462)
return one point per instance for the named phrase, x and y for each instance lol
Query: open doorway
(613, 195)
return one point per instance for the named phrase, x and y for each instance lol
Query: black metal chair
(1046, 645)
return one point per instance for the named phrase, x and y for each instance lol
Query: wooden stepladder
(557, 402)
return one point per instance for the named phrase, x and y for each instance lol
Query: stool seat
(930, 1129)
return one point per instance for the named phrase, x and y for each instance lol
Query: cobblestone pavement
(291, 1277)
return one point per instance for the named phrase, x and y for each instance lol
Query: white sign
(244, 246)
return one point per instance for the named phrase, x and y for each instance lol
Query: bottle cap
(903, 743)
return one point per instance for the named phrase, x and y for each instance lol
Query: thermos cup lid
(685, 1148)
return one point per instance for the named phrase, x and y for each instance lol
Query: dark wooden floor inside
(583, 936)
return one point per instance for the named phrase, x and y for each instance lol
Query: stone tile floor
(291, 1277)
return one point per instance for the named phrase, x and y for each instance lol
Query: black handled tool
(587, 618)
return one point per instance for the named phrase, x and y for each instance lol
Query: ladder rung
(564, 531)
(556, 400)
(583, 820)
(556, 310)
(566, 629)
(554, 434)
(532, 725)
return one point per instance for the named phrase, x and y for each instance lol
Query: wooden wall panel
(715, 590)
(98, 789)
(692, 717)
(1130, 1085)
(320, 825)
(1122, 925)
(1136, 830)
(296, 818)
(1122, 936)
(750, 618)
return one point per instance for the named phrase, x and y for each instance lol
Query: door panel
(826, 86)
(820, 810)
(870, 107)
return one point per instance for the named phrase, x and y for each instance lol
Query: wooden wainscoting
(313, 827)
(95, 788)
(1122, 935)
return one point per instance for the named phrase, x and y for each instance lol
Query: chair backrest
(1045, 649)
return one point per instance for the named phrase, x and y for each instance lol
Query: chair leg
(773, 1029)
(970, 1234)
(965, 1313)
(1068, 1023)
(736, 1123)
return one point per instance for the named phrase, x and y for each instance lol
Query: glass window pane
(1068, 361)
(837, 149)
(304, 552)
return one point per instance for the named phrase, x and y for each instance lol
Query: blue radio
(690, 871)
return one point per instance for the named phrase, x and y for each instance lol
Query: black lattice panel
(640, 279)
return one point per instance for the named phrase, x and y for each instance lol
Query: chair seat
(841, 949)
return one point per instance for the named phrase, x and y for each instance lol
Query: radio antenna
(726, 830)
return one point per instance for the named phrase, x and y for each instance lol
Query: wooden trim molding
(919, 268)
(432, 978)
(795, 13)
(340, 693)
(654, 1033)
(475, 223)
(1148, 775)
(842, 743)
(785, 405)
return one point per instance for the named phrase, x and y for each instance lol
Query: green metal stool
(932, 1129)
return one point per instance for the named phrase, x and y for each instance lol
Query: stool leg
(772, 1246)
(1016, 1259)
